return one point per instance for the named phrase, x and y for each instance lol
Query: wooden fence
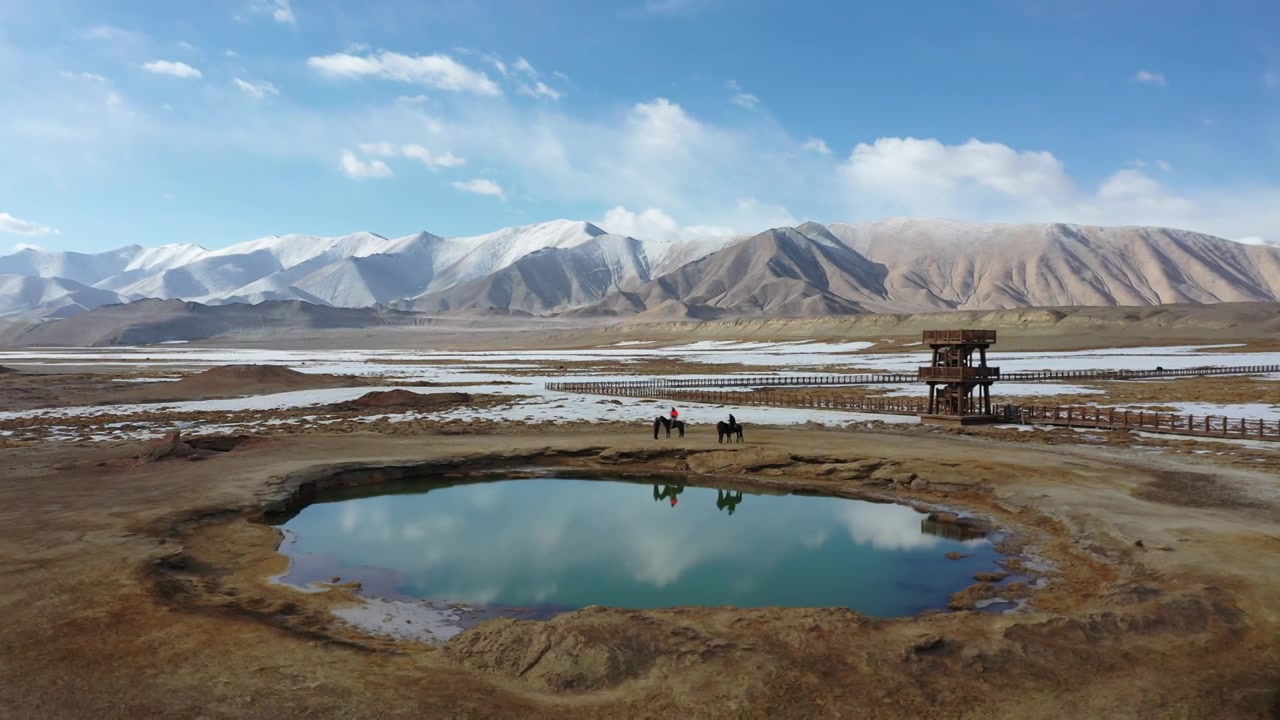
(1153, 422)
(628, 387)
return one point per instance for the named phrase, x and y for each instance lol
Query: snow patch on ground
(416, 621)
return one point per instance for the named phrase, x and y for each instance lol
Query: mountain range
(573, 268)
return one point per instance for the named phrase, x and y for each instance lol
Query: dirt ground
(89, 385)
(143, 590)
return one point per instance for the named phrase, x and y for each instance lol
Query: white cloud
(539, 89)
(817, 145)
(256, 89)
(655, 155)
(1254, 240)
(437, 71)
(655, 224)
(91, 77)
(1150, 78)
(231, 53)
(384, 149)
(1271, 80)
(906, 170)
(356, 168)
(993, 182)
(496, 62)
(535, 87)
(430, 159)
(184, 45)
(747, 217)
(279, 10)
(1164, 166)
(19, 247)
(18, 226)
(740, 97)
(413, 152)
(523, 66)
(481, 187)
(115, 36)
(172, 69)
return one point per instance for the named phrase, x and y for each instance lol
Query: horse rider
(732, 422)
(675, 415)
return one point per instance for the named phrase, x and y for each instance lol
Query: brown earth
(49, 388)
(143, 591)
(403, 399)
(333, 419)
(249, 380)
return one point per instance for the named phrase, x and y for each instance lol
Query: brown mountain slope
(911, 266)
(968, 266)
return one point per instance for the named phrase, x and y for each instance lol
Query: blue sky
(150, 122)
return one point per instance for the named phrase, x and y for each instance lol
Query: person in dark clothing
(732, 422)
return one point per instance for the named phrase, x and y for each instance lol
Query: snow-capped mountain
(564, 266)
(355, 270)
(50, 298)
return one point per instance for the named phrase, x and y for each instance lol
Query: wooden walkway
(1062, 416)
(624, 387)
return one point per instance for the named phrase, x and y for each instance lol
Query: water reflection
(668, 491)
(728, 500)
(951, 531)
(570, 543)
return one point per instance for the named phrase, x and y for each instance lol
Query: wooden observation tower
(959, 378)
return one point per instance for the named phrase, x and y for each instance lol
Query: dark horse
(725, 431)
(665, 422)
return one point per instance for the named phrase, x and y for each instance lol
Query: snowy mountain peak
(890, 265)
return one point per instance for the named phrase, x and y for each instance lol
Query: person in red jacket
(675, 414)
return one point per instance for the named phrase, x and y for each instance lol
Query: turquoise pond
(544, 546)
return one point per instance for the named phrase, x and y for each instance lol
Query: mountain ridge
(577, 268)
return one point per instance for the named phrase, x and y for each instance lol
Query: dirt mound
(404, 399)
(173, 445)
(226, 377)
(234, 380)
(5, 370)
(604, 649)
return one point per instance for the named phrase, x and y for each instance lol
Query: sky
(155, 122)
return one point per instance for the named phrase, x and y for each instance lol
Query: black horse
(662, 421)
(725, 431)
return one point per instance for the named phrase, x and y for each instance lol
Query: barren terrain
(144, 590)
(139, 571)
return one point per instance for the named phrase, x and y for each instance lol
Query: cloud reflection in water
(577, 542)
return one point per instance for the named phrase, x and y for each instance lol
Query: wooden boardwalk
(763, 394)
(624, 387)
